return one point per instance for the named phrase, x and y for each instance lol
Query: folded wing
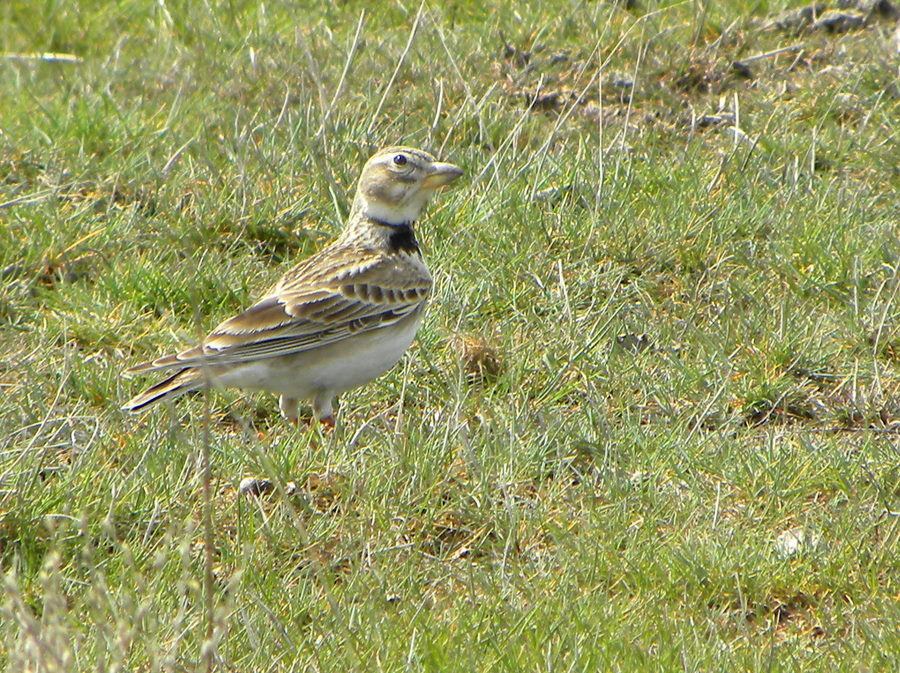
(306, 311)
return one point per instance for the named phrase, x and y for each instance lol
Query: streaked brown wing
(312, 307)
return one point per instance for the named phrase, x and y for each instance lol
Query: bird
(337, 320)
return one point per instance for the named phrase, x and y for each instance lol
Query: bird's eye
(400, 160)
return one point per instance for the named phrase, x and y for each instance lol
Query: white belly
(331, 369)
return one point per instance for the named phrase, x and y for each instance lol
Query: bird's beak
(441, 174)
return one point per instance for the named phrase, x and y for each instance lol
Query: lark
(337, 320)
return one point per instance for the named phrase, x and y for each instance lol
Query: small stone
(622, 87)
(255, 486)
(258, 486)
(835, 21)
(742, 69)
(638, 478)
(714, 120)
(634, 343)
(884, 9)
(796, 19)
(463, 552)
(794, 541)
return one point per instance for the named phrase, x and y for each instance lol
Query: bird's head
(397, 182)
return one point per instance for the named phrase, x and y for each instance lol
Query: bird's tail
(178, 384)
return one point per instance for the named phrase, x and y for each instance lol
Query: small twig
(282, 630)
(438, 108)
(48, 57)
(315, 74)
(396, 547)
(208, 651)
(768, 54)
(284, 106)
(65, 191)
(176, 155)
(208, 646)
(28, 199)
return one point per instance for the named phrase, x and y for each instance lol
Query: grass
(665, 341)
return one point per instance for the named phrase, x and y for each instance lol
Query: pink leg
(288, 407)
(323, 409)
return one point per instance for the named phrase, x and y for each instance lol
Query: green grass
(595, 501)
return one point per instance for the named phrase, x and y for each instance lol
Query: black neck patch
(402, 237)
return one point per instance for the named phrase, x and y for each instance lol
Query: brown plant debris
(478, 357)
